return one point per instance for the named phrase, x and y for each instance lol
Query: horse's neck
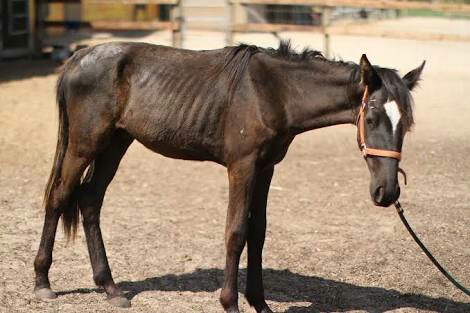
(325, 98)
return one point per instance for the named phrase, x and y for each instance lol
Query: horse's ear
(369, 76)
(412, 78)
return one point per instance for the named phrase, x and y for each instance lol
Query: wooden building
(16, 31)
(26, 26)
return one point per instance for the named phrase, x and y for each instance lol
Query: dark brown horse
(239, 106)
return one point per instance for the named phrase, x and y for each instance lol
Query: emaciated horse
(239, 106)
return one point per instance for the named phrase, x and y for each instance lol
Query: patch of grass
(430, 13)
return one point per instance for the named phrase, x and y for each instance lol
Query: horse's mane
(237, 59)
(286, 52)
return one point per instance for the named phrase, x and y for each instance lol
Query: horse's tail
(70, 214)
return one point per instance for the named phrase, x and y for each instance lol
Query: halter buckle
(364, 151)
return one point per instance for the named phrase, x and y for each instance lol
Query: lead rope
(400, 212)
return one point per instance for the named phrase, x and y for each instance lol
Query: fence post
(325, 22)
(177, 20)
(229, 22)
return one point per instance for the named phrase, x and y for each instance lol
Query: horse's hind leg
(56, 203)
(90, 200)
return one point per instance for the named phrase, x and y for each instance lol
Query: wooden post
(177, 20)
(325, 21)
(2, 16)
(39, 29)
(32, 40)
(229, 22)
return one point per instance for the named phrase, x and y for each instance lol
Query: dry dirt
(327, 249)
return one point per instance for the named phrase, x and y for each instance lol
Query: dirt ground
(328, 249)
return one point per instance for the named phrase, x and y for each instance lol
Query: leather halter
(366, 151)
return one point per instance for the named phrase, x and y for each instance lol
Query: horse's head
(384, 118)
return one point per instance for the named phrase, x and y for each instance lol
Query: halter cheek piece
(366, 151)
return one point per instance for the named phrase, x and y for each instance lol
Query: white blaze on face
(393, 113)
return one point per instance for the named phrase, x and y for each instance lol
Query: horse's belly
(178, 144)
(187, 151)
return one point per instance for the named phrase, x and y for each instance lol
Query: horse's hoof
(120, 302)
(45, 294)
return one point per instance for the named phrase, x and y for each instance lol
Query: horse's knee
(235, 242)
(62, 194)
(58, 197)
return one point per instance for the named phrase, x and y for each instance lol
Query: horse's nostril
(379, 194)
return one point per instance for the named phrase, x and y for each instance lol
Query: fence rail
(371, 4)
(326, 6)
(133, 25)
(174, 2)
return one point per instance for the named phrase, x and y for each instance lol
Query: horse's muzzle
(384, 197)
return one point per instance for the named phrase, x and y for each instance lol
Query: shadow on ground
(26, 68)
(285, 286)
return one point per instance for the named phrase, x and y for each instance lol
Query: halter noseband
(361, 135)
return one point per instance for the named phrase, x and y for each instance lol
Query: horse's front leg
(256, 234)
(241, 176)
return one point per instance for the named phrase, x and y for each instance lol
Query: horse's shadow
(285, 286)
